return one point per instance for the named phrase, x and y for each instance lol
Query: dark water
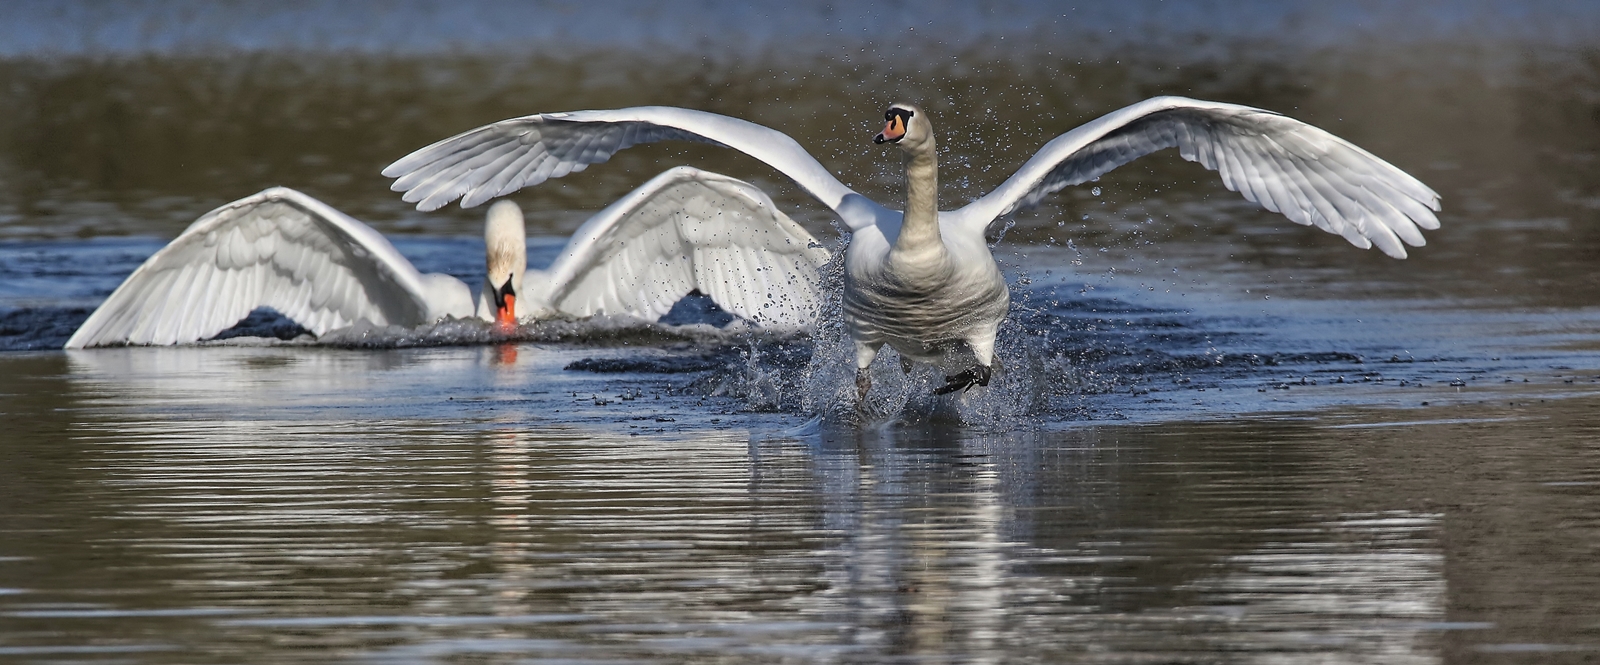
(1218, 438)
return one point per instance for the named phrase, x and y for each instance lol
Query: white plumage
(923, 280)
(280, 249)
(686, 229)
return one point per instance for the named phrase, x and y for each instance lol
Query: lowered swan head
(506, 246)
(906, 126)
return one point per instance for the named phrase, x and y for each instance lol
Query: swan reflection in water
(964, 542)
(295, 486)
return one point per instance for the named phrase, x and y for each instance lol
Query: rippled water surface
(1217, 437)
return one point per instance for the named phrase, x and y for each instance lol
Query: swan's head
(906, 126)
(505, 241)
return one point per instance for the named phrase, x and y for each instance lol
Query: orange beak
(894, 130)
(506, 315)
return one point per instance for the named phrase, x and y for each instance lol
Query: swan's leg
(865, 353)
(983, 348)
(977, 375)
(905, 364)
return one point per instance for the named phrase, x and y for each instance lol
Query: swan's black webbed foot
(977, 375)
(863, 384)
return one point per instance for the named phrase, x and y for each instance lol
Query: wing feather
(483, 179)
(1302, 172)
(279, 249)
(1253, 185)
(1280, 184)
(1310, 207)
(689, 229)
(135, 327)
(502, 183)
(183, 292)
(458, 166)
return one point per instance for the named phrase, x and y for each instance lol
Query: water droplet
(1095, 191)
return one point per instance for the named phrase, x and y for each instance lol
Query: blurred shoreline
(1494, 105)
(721, 28)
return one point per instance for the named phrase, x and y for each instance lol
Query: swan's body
(923, 280)
(686, 229)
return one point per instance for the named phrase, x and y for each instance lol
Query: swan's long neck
(505, 241)
(919, 231)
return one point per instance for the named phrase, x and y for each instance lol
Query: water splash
(1023, 366)
(597, 330)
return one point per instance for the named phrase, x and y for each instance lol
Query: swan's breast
(920, 308)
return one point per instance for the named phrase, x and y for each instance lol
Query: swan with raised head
(923, 280)
(686, 229)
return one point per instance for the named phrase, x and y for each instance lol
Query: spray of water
(1026, 374)
(766, 369)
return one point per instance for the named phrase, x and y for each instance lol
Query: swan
(683, 230)
(922, 280)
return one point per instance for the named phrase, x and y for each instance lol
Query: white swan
(923, 281)
(686, 229)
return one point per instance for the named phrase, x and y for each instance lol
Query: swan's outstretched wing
(279, 249)
(1310, 176)
(495, 160)
(689, 229)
